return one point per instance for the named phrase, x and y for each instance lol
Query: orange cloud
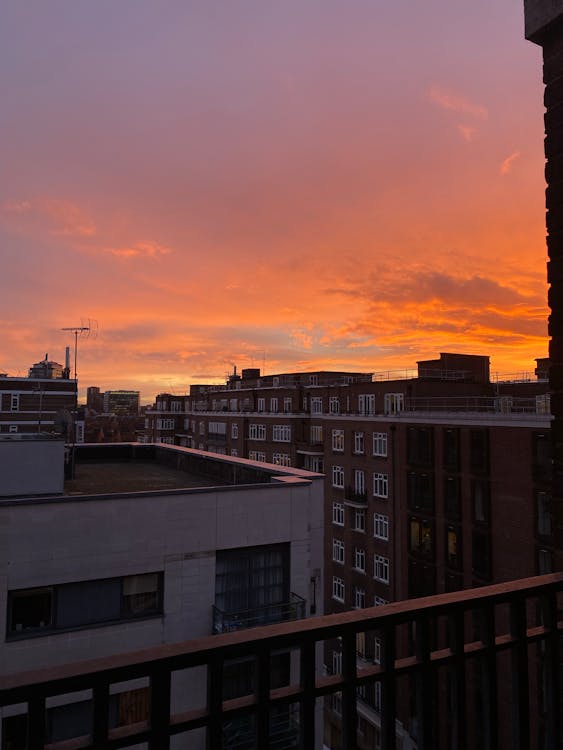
(139, 249)
(456, 103)
(467, 132)
(506, 165)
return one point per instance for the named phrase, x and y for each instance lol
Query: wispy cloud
(467, 132)
(67, 218)
(139, 249)
(15, 207)
(506, 165)
(457, 103)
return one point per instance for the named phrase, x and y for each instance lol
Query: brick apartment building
(432, 480)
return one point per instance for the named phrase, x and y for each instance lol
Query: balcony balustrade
(355, 495)
(226, 622)
(478, 662)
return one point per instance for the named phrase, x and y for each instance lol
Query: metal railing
(432, 648)
(226, 622)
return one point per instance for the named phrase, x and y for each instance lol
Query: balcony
(355, 495)
(226, 622)
(464, 670)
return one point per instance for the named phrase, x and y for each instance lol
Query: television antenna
(84, 330)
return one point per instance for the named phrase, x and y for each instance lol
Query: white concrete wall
(31, 467)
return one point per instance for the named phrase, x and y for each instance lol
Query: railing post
(160, 709)
(388, 689)
(349, 709)
(307, 718)
(100, 717)
(215, 703)
(489, 677)
(551, 666)
(36, 735)
(458, 697)
(263, 696)
(521, 695)
(425, 686)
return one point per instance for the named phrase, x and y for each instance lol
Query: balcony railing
(226, 622)
(355, 495)
(470, 669)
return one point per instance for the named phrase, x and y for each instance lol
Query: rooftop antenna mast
(77, 331)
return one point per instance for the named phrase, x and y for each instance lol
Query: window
(379, 601)
(337, 476)
(381, 568)
(377, 650)
(360, 559)
(273, 404)
(334, 405)
(234, 452)
(15, 402)
(338, 589)
(366, 403)
(420, 491)
(480, 492)
(234, 431)
(337, 662)
(451, 449)
(338, 551)
(479, 451)
(316, 434)
(257, 431)
(358, 442)
(359, 598)
(359, 482)
(481, 562)
(281, 433)
(338, 440)
(545, 561)
(275, 381)
(261, 404)
(164, 424)
(543, 502)
(421, 537)
(381, 526)
(313, 379)
(257, 456)
(217, 428)
(13, 428)
(393, 403)
(380, 485)
(316, 405)
(452, 497)
(338, 513)
(281, 459)
(202, 428)
(379, 443)
(453, 551)
(359, 520)
(287, 407)
(73, 605)
(233, 404)
(420, 446)
(176, 406)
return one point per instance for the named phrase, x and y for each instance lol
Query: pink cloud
(457, 103)
(506, 165)
(139, 249)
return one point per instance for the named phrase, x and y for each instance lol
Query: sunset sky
(300, 184)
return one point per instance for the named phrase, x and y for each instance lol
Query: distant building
(94, 399)
(121, 402)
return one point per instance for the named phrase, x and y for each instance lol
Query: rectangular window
(480, 491)
(338, 551)
(358, 442)
(202, 428)
(281, 459)
(334, 405)
(420, 491)
(275, 381)
(451, 449)
(359, 598)
(360, 559)
(359, 482)
(13, 428)
(15, 402)
(393, 403)
(273, 404)
(261, 404)
(257, 456)
(234, 431)
(337, 476)
(380, 485)
(234, 452)
(338, 513)
(379, 443)
(287, 407)
(313, 379)
(420, 446)
(366, 403)
(543, 503)
(359, 520)
(257, 431)
(338, 589)
(316, 405)
(176, 406)
(452, 497)
(453, 547)
(479, 451)
(316, 434)
(73, 605)
(281, 433)
(381, 526)
(381, 568)
(421, 537)
(379, 601)
(233, 404)
(338, 440)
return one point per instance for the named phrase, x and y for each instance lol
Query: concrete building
(121, 402)
(149, 545)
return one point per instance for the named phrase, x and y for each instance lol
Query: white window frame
(333, 405)
(316, 433)
(359, 520)
(381, 526)
(338, 476)
(393, 403)
(234, 430)
(381, 485)
(338, 441)
(359, 598)
(274, 404)
(261, 404)
(381, 568)
(380, 444)
(359, 442)
(338, 551)
(359, 481)
(338, 589)
(360, 559)
(15, 402)
(287, 405)
(256, 431)
(337, 513)
(281, 433)
(281, 459)
(257, 456)
(316, 405)
(366, 404)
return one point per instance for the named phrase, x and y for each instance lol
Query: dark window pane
(480, 490)
(453, 547)
(452, 497)
(481, 555)
(451, 449)
(420, 446)
(479, 451)
(31, 609)
(420, 489)
(141, 594)
(88, 602)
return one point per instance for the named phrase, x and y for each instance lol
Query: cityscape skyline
(310, 186)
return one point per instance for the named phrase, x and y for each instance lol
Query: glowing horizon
(306, 185)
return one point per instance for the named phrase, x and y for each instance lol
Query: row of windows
(274, 404)
(280, 459)
(393, 403)
(280, 432)
(72, 605)
(380, 520)
(339, 556)
(380, 481)
(379, 447)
